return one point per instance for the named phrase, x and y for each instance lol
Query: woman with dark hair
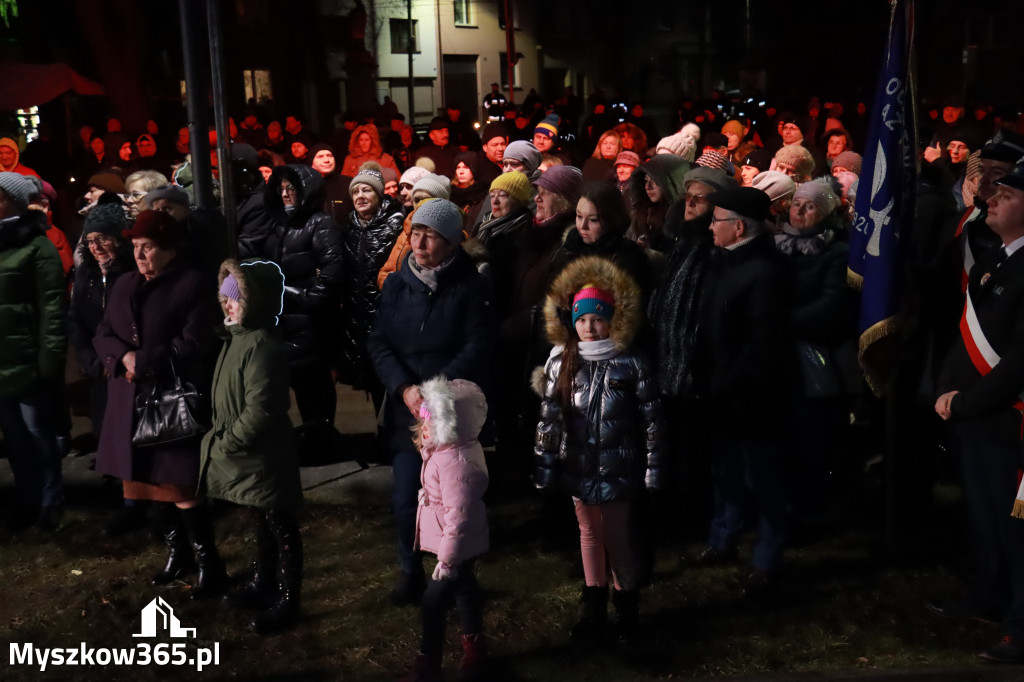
(834, 143)
(654, 187)
(632, 138)
(601, 223)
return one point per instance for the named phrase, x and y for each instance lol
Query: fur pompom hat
(370, 174)
(455, 410)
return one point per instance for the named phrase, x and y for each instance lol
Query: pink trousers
(605, 538)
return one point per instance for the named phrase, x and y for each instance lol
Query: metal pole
(220, 115)
(195, 85)
(510, 51)
(412, 46)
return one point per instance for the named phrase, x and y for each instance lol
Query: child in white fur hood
(451, 520)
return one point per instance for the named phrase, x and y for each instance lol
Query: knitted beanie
(229, 288)
(712, 159)
(679, 144)
(734, 127)
(761, 159)
(548, 127)
(566, 181)
(492, 130)
(849, 160)
(775, 184)
(627, 158)
(437, 186)
(797, 156)
(594, 301)
(442, 216)
(820, 193)
(516, 184)
(108, 219)
(369, 174)
(19, 188)
(390, 175)
(413, 174)
(524, 151)
(107, 182)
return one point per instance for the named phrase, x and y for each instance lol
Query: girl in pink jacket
(451, 520)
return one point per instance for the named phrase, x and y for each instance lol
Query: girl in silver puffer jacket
(600, 432)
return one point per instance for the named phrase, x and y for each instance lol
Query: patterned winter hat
(548, 127)
(369, 174)
(712, 159)
(591, 300)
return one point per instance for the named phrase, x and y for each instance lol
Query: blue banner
(884, 207)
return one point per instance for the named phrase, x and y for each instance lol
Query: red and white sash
(984, 358)
(967, 217)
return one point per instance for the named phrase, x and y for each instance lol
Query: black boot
(284, 612)
(213, 579)
(593, 615)
(179, 554)
(627, 614)
(258, 591)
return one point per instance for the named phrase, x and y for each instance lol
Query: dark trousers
(990, 486)
(464, 592)
(314, 392)
(405, 467)
(33, 449)
(741, 466)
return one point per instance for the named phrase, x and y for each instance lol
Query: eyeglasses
(288, 189)
(722, 220)
(691, 198)
(98, 241)
(136, 196)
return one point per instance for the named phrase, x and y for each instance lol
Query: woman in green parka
(248, 457)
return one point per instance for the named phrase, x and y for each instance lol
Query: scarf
(804, 242)
(427, 275)
(598, 350)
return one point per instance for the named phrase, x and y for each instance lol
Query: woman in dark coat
(435, 319)
(822, 320)
(306, 244)
(104, 259)
(373, 227)
(162, 311)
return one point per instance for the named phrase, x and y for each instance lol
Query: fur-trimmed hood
(457, 409)
(261, 284)
(603, 274)
(375, 147)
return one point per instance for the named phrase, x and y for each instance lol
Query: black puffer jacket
(307, 245)
(366, 249)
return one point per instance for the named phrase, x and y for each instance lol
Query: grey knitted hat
(19, 188)
(442, 216)
(437, 186)
(524, 151)
(369, 174)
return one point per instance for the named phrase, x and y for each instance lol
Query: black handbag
(172, 411)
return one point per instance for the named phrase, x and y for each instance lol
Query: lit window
(257, 85)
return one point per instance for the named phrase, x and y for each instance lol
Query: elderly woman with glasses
(138, 185)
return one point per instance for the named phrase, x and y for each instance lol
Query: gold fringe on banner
(877, 375)
(854, 280)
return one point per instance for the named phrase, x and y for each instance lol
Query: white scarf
(598, 350)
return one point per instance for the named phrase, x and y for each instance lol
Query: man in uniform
(981, 388)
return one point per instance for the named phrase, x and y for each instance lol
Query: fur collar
(603, 274)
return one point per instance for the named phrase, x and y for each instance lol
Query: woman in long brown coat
(164, 309)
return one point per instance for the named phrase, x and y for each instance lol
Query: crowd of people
(614, 314)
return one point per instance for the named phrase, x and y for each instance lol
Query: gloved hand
(444, 572)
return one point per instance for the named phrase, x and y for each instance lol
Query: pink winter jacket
(451, 520)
